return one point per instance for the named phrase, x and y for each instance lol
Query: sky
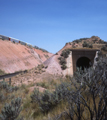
(50, 24)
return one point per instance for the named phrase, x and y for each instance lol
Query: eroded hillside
(16, 57)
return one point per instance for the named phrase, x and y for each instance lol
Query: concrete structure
(83, 58)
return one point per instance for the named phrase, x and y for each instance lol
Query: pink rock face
(15, 57)
(43, 55)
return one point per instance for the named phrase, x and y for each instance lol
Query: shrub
(69, 43)
(80, 40)
(63, 66)
(2, 97)
(104, 48)
(47, 101)
(90, 46)
(88, 97)
(62, 61)
(35, 96)
(12, 110)
(63, 57)
(44, 100)
(14, 42)
(8, 88)
(65, 53)
(85, 44)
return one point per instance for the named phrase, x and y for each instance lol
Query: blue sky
(49, 24)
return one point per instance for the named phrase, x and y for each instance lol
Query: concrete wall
(69, 70)
(75, 55)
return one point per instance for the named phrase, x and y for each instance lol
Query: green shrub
(8, 88)
(65, 53)
(62, 61)
(12, 110)
(47, 101)
(2, 97)
(85, 44)
(80, 40)
(90, 46)
(63, 66)
(104, 48)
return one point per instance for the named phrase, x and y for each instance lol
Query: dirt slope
(15, 57)
(53, 66)
(43, 55)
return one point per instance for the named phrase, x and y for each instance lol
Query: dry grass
(31, 111)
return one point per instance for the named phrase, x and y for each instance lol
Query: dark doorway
(83, 62)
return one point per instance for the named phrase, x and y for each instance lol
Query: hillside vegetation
(82, 97)
(94, 42)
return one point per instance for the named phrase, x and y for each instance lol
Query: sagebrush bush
(65, 53)
(62, 60)
(2, 97)
(85, 44)
(47, 100)
(63, 66)
(43, 99)
(12, 110)
(90, 46)
(4, 85)
(88, 97)
(104, 48)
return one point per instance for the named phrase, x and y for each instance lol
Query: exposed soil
(33, 76)
(15, 57)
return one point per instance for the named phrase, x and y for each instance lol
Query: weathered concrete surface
(69, 70)
(95, 59)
